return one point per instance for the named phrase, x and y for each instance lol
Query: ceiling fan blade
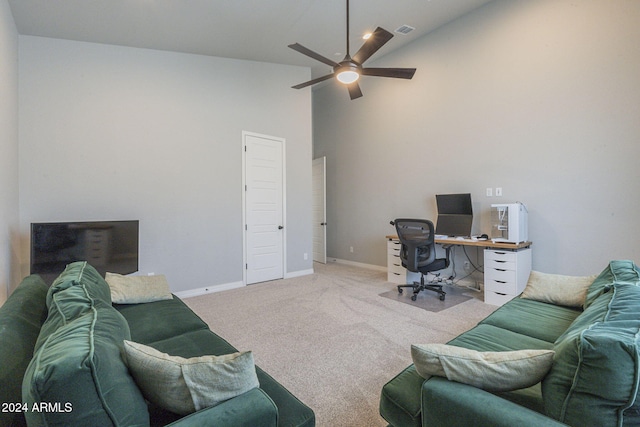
(398, 73)
(305, 51)
(378, 39)
(312, 82)
(354, 90)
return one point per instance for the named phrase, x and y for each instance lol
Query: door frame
(245, 134)
(323, 160)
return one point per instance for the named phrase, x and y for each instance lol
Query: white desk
(506, 266)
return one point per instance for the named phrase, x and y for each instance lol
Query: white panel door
(264, 227)
(319, 211)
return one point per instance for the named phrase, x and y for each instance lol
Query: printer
(509, 223)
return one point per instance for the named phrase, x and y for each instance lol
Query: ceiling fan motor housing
(347, 71)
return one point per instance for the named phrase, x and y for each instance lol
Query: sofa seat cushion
(159, 320)
(400, 399)
(21, 317)
(535, 319)
(77, 362)
(194, 344)
(252, 409)
(594, 379)
(484, 337)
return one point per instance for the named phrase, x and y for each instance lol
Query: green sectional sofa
(593, 381)
(62, 360)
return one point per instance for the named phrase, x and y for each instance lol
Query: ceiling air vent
(404, 29)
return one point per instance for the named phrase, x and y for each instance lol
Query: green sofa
(62, 360)
(594, 379)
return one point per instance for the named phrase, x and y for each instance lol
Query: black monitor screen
(106, 245)
(455, 214)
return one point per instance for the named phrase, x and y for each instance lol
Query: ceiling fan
(349, 70)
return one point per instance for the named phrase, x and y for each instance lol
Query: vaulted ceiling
(257, 30)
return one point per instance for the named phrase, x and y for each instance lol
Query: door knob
(280, 227)
(323, 223)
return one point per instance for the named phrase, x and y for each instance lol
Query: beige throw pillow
(570, 291)
(490, 370)
(184, 385)
(137, 289)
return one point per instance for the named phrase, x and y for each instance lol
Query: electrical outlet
(498, 191)
(351, 249)
(306, 256)
(489, 192)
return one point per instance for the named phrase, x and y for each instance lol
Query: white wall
(8, 151)
(110, 132)
(541, 98)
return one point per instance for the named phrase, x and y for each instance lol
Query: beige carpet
(330, 338)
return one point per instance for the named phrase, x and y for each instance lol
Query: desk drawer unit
(505, 274)
(396, 273)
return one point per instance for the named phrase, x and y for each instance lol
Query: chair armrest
(251, 409)
(450, 403)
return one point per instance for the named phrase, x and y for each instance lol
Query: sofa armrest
(450, 403)
(251, 409)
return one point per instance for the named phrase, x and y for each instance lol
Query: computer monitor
(455, 214)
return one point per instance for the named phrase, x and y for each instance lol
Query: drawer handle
(397, 274)
(397, 265)
(499, 260)
(396, 243)
(500, 281)
(498, 293)
(397, 256)
(501, 253)
(500, 269)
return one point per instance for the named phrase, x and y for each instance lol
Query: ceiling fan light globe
(347, 76)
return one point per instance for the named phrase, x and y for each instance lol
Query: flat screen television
(455, 214)
(107, 245)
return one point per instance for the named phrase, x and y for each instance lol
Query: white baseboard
(298, 273)
(360, 264)
(233, 285)
(209, 290)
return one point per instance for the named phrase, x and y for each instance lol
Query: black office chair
(418, 254)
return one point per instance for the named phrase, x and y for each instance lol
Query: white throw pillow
(137, 289)
(570, 291)
(489, 370)
(184, 385)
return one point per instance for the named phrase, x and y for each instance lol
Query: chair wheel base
(417, 287)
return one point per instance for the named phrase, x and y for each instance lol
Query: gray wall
(110, 132)
(8, 151)
(541, 98)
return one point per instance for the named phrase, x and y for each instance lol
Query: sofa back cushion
(618, 271)
(21, 317)
(594, 379)
(77, 375)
